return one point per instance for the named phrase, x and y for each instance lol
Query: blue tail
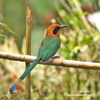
(12, 89)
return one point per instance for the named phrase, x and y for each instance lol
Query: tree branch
(55, 62)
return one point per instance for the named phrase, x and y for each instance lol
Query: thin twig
(67, 7)
(76, 3)
(55, 62)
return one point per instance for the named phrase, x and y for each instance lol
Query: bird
(48, 48)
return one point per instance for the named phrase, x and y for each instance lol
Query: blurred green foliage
(80, 41)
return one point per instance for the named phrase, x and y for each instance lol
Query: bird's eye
(56, 30)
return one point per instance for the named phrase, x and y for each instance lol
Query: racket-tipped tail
(12, 89)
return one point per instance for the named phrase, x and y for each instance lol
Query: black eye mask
(56, 30)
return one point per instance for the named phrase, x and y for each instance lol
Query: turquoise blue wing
(48, 48)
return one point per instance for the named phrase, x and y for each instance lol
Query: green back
(48, 48)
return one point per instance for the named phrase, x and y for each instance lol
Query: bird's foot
(50, 59)
(55, 57)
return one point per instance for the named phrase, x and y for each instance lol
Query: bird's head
(54, 30)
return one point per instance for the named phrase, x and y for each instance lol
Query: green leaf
(8, 29)
(54, 80)
(2, 35)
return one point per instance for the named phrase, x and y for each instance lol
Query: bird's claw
(55, 57)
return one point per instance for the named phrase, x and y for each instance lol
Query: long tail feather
(12, 89)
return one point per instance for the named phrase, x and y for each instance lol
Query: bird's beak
(62, 26)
